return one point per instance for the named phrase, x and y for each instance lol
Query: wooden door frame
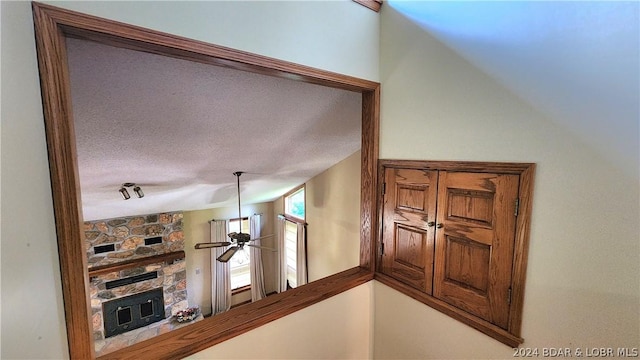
(52, 26)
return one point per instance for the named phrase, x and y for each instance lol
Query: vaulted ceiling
(577, 62)
(180, 129)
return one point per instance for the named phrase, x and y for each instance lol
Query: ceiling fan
(238, 240)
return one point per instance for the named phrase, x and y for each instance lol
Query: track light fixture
(124, 193)
(136, 189)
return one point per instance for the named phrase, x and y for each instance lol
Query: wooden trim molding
(54, 83)
(52, 26)
(471, 166)
(241, 290)
(369, 178)
(215, 329)
(293, 219)
(128, 264)
(374, 5)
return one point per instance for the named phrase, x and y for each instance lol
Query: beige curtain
(301, 258)
(220, 272)
(282, 255)
(298, 255)
(255, 262)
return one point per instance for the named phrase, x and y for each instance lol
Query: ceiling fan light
(242, 256)
(138, 191)
(124, 193)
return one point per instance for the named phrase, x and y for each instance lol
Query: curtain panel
(282, 255)
(220, 272)
(301, 251)
(255, 262)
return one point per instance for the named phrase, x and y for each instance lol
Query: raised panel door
(476, 223)
(408, 226)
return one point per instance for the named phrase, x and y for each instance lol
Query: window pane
(240, 275)
(239, 263)
(294, 204)
(234, 225)
(291, 240)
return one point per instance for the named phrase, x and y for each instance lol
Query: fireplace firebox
(133, 311)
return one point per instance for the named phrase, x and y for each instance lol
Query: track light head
(138, 191)
(124, 193)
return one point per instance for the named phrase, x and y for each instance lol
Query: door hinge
(509, 296)
(384, 188)
(517, 207)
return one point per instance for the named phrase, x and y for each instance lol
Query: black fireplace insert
(133, 311)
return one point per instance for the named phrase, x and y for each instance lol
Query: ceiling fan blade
(226, 256)
(262, 247)
(212, 245)
(263, 237)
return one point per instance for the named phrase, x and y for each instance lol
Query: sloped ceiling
(578, 62)
(180, 129)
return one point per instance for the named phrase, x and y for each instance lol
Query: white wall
(336, 36)
(337, 328)
(333, 214)
(583, 275)
(339, 36)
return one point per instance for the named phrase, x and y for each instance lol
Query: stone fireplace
(137, 277)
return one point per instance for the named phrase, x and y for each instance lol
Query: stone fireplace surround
(121, 248)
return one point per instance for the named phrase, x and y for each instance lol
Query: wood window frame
(526, 171)
(374, 5)
(241, 289)
(239, 219)
(52, 25)
(294, 219)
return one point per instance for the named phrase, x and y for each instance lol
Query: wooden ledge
(374, 5)
(215, 329)
(127, 264)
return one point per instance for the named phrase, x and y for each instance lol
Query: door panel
(474, 242)
(467, 264)
(470, 206)
(408, 240)
(409, 246)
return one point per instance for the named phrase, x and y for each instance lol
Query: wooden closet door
(474, 242)
(408, 226)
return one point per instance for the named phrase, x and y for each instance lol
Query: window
(294, 209)
(290, 243)
(239, 263)
(294, 203)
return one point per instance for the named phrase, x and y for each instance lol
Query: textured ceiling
(180, 129)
